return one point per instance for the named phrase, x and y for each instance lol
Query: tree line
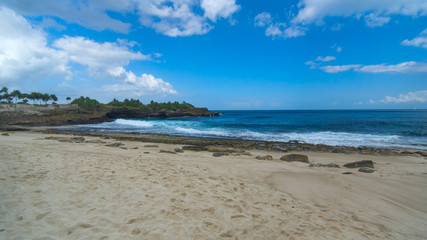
(16, 96)
(133, 103)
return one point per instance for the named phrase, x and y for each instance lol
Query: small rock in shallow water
(150, 145)
(219, 154)
(366, 170)
(358, 164)
(295, 158)
(347, 173)
(5, 134)
(194, 148)
(266, 157)
(165, 151)
(329, 165)
(178, 150)
(116, 144)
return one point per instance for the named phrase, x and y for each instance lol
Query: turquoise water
(376, 128)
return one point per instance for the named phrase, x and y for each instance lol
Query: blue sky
(222, 54)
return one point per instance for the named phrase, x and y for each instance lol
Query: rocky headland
(68, 114)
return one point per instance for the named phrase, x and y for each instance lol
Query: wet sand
(65, 190)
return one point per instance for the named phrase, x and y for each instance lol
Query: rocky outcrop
(144, 113)
(360, 164)
(266, 157)
(73, 114)
(55, 116)
(295, 158)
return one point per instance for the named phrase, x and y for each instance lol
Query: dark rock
(165, 151)
(347, 173)
(146, 152)
(178, 150)
(423, 154)
(366, 170)
(293, 141)
(266, 157)
(219, 154)
(150, 145)
(194, 148)
(95, 141)
(328, 165)
(358, 164)
(295, 158)
(5, 134)
(134, 148)
(116, 144)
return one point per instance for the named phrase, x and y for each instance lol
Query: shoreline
(61, 185)
(223, 142)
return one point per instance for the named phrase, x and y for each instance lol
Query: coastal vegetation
(16, 97)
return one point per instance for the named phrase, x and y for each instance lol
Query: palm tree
(53, 98)
(45, 97)
(68, 100)
(15, 94)
(4, 89)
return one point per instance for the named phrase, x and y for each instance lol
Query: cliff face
(72, 114)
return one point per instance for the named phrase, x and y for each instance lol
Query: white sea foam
(195, 128)
(134, 123)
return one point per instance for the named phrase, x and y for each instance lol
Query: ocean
(373, 128)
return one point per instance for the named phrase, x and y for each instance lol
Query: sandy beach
(87, 190)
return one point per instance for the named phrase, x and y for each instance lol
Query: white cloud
(24, 54)
(277, 29)
(97, 56)
(374, 20)
(179, 18)
(219, 8)
(91, 13)
(172, 18)
(377, 12)
(263, 19)
(405, 67)
(325, 59)
(137, 85)
(420, 96)
(342, 68)
(420, 41)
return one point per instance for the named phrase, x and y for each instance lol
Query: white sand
(56, 190)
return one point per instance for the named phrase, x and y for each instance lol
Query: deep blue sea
(376, 128)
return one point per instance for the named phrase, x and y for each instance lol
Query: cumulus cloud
(405, 67)
(172, 18)
(374, 13)
(420, 41)
(178, 18)
(342, 68)
(420, 96)
(108, 60)
(277, 29)
(137, 85)
(219, 8)
(262, 19)
(91, 14)
(24, 53)
(97, 56)
(325, 59)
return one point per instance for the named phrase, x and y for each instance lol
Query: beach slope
(59, 187)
